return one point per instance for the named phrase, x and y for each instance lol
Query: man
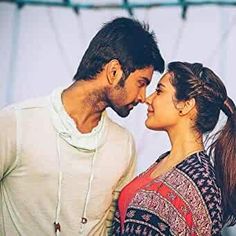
(63, 161)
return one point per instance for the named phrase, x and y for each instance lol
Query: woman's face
(162, 113)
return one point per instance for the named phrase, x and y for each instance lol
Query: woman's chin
(148, 124)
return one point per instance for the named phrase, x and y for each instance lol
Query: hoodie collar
(67, 129)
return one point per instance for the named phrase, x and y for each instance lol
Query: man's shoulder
(27, 107)
(39, 102)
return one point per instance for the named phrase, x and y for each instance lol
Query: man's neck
(84, 103)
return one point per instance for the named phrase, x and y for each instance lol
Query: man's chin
(123, 113)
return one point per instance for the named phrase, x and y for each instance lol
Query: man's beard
(122, 111)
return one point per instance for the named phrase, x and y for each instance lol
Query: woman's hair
(209, 92)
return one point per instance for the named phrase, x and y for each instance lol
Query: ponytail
(223, 150)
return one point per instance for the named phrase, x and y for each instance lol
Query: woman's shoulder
(198, 166)
(196, 181)
(198, 173)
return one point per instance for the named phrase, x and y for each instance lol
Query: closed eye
(158, 91)
(142, 84)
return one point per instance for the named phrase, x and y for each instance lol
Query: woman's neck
(182, 147)
(184, 143)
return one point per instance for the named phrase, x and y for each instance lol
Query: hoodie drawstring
(57, 226)
(84, 220)
(84, 213)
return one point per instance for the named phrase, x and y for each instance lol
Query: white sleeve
(8, 152)
(126, 178)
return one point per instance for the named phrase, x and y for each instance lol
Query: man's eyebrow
(147, 81)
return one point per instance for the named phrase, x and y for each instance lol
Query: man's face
(127, 94)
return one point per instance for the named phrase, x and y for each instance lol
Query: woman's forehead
(165, 79)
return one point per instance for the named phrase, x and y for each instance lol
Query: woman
(186, 191)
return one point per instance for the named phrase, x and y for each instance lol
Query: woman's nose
(149, 99)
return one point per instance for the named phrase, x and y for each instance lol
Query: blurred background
(43, 41)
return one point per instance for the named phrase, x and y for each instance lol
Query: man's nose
(142, 95)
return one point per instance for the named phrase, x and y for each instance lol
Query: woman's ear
(189, 106)
(113, 71)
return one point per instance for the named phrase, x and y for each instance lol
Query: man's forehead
(145, 72)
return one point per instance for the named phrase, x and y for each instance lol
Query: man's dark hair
(126, 40)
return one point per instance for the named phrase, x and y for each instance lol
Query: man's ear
(189, 106)
(113, 71)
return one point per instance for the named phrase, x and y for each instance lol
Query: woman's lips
(149, 112)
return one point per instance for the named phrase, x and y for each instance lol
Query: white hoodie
(52, 173)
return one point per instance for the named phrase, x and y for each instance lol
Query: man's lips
(131, 106)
